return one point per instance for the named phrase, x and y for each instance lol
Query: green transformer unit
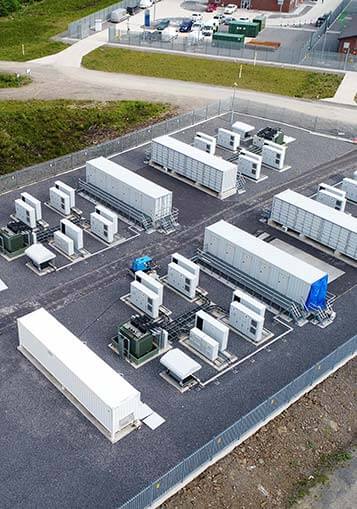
(135, 345)
(227, 40)
(11, 242)
(261, 20)
(247, 28)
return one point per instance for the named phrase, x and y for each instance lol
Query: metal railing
(242, 428)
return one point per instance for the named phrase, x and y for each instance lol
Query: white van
(118, 15)
(208, 28)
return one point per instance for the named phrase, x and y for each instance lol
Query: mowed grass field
(35, 131)
(8, 80)
(276, 80)
(35, 24)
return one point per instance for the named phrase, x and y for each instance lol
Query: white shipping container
(274, 154)
(130, 188)
(63, 243)
(151, 283)
(334, 229)
(204, 344)
(182, 280)
(208, 170)
(250, 164)
(34, 203)
(214, 328)
(94, 384)
(228, 139)
(25, 213)
(249, 302)
(108, 214)
(60, 201)
(144, 299)
(187, 264)
(247, 322)
(74, 232)
(350, 188)
(101, 227)
(331, 200)
(66, 189)
(276, 269)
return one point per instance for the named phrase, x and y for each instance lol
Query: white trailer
(66, 189)
(144, 299)
(63, 243)
(350, 188)
(209, 173)
(205, 142)
(93, 386)
(258, 261)
(247, 322)
(129, 188)
(187, 264)
(244, 130)
(108, 214)
(273, 155)
(101, 227)
(25, 213)
(250, 164)
(213, 328)
(60, 201)
(204, 344)
(74, 232)
(34, 203)
(316, 221)
(228, 139)
(182, 280)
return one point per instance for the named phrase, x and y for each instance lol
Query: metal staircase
(169, 223)
(240, 183)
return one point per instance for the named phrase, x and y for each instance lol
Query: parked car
(218, 19)
(118, 15)
(322, 19)
(228, 19)
(133, 9)
(208, 28)
(186, 25)
(230, 9)
(211, 7)
(145, 4)
(196, 16)
(164, 23)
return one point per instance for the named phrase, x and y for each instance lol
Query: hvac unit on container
(25, 213)
(146, 293)
(273, 155)
(317, 221)
(134, 196)
(204, 344)
(213, 328)
(272, 273)
(63, 243)
(244, 130)
(246, 315)
(74, 232)
(100, 393)
(228, 139)
(205, 142)
(331, 196)
(34, 203)
(350, 188)
(250, 164)
(208, 172)
(183, 275)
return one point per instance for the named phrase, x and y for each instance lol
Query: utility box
(331, 196)
(101, 227)
(187, 264)
(261, 20)
(66, 189)
(151, 283)
(12, 242)
(108, 214)
(25, 213)
(182, 280)
(250, 164)
(349, 186)
(273, 155)
(74, 232)
(144, 299)
(247, 28)
(244, 130)
(204, 344)
(247, 322)
(33, 202)
(227, 40)
(63, 243)
(213, 328)
(228, 139)
(205, 142)
(60, 201)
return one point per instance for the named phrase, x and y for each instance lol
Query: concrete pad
(333, 272)
(154, 421)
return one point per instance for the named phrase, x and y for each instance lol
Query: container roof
(142, 184)
(320, 209)
(39, 253)
(179, 363)
(266, 251)
(96, 374)
(210, 160)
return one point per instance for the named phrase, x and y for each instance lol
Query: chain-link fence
(129, 141)
(243, 427)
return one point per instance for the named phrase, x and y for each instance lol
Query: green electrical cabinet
(247, 28)
(261, 20)
(227, 40)
(11, 242)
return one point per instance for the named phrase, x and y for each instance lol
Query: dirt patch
(271, 469)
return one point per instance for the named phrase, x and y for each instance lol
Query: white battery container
(273, 154)
(101, 227)
(247, 322)
(228, 139)
(144, 299)
(182, 280)
(187, 264)
(25, 213)
(108, 214)
(350, 188)
(250, 164)
(60, 201)
(66, 189)
(151, 283)
(74, 232)
(63, 243)
(33, 202)
(213, 328)
(204, 344)
(244, 130)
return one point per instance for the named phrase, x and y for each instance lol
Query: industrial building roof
(210, 160)
(266, 251)
(144, 185)
(102, 380)
(39, 253)
(320, 209)
(179, 363)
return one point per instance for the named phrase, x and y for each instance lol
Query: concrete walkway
(347, 91)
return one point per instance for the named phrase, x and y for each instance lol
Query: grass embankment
(291, 82)
(35, 23)
(12, 80)
(35, 131)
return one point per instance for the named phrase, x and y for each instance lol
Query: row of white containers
(315, 220)
(208, 170)
(130, 188)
